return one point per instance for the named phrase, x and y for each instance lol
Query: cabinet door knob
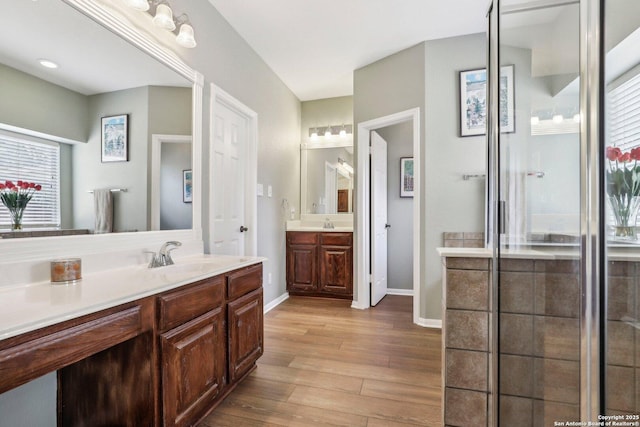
(243, 229)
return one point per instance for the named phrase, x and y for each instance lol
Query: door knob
(243, 229)
(387, 226)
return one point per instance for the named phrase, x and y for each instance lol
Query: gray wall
(31, 103)
(89, 173)
(399, 209)
(224, 58)
(174, 213)
(393, 84)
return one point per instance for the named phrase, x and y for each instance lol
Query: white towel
(103, 207)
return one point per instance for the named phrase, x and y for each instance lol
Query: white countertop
(29, 307)
(343, 226)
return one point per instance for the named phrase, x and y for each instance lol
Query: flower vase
(16, 218)
(625, 211)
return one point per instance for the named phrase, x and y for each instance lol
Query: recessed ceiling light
(48, 64)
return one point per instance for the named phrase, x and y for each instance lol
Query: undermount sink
(196, 266)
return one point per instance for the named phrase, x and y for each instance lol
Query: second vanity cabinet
(320, 264)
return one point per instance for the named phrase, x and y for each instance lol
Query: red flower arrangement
(15, 197)
(623, 189)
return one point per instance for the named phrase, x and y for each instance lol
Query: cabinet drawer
(243, 281)
(302, 238)
(186, 303)
(338, 239)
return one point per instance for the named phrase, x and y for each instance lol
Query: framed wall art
(115, 138)
(473, 101)
(406, 177)
(187, 185)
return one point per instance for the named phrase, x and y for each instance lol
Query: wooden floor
(327, 364)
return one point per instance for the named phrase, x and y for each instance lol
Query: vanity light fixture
(163, 18)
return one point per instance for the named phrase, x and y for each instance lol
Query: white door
(378, 218)
(227, 181)
(330, 189)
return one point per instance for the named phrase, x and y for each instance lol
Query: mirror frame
(38, 248)
(304, 147)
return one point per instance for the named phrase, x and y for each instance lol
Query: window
(25, 159)
(624, 114)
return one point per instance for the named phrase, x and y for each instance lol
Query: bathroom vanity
(137, 346)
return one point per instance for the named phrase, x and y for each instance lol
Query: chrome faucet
(328, 224)
(163, 257)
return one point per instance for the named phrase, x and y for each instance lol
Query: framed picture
(187, 181)
(406, 176)
(115, 138)
(473, 101)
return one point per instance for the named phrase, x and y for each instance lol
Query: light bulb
(314, 135)
(576, 117)
(327, 132)
(164, 17)
(535, 120)
(185, 36)
(142, 5)
(558, 118)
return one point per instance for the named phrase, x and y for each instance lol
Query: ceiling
(314, 46)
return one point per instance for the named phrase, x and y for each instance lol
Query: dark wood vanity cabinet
(164, 360)
(193, 351)
(320, 264)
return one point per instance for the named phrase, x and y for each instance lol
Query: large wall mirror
(327, 178)
(99, 75)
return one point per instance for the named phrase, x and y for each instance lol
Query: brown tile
(557, 380)
(516, 265)
(516, 411)
(473, 243)
(468, 263)
(621, 268)
(547, 413)
(516, 292)
(449, 235)
(465, 408)
(516, 334)
(454, 243)
(467, 369)
(467, 330)
(468, 289)
(474, 235)
(620, 342)
(621, 298)
(556, 337)
(516, 375)
(557, 294)
(557, 266)
(620, 390)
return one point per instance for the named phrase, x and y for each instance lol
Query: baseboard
(357, 305)
(430, 323)
(403, 292)
(276, 302)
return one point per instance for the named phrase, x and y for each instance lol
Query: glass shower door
(538, 371)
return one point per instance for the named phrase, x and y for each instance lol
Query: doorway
(233, 163)
(362, 299)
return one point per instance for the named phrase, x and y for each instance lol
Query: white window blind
(624, 114)
(26, 160)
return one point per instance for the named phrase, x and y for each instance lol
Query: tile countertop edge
(549, 253)
(21, 327)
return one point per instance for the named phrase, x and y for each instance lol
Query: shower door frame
(592, 280)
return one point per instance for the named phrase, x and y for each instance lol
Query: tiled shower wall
(539, 341)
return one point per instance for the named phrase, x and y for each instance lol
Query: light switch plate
(260, 190)
(269, 191)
